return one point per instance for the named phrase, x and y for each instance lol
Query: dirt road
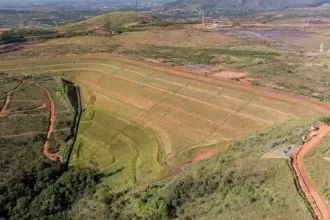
(54, 157)
(318, 203)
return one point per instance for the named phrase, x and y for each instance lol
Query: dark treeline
(23, 35)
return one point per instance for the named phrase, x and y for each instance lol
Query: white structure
(321, 47)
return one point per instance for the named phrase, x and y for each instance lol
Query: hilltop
(241, 6)
(111, 21)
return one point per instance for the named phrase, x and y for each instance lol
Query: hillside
(108, 22)
(237, 184)
(30, 170)
(241, 6)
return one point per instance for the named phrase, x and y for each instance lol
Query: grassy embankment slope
(237, 184)
(141, 121)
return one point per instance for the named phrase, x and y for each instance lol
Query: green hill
(112, 21)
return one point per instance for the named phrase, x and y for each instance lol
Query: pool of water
(279, 34)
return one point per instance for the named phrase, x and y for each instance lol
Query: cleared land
(141, 120)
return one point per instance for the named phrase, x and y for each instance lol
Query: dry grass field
(141, 121)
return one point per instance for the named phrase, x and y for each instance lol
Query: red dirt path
(318, 203)
(50, 156)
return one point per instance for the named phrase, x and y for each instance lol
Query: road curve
(50, 156)
(318, 203)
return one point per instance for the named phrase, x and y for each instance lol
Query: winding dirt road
(318, 203)
(50, 156)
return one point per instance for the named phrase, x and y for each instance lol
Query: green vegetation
(19, 35)
(183, 55)
(239, 7)
(237, 184)
(114, 21)
(110, 144)
(31, 186)
(326, 120)
(113, 155)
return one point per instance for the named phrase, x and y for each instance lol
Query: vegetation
(31, 187)
(139, 121)
(181, 55)
(237, 184)
(142, 122)
(326, 120)
(317, 163)
(114, 21)
(239, 7)
(19, 35)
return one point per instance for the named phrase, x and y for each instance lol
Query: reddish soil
(50, 156)
(318, 203)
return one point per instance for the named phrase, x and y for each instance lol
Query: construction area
(164, 118)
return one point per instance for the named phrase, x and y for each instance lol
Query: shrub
(326, 120)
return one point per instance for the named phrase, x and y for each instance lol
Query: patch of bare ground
(217, 72)
(230, 74)
(201, 68)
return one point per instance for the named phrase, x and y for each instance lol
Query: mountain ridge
(242, 6)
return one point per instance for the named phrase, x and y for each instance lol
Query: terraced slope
(142, 121)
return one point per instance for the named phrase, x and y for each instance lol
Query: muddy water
(286, 39)
(280, 34)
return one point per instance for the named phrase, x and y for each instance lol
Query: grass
(142, 108)
(106, 143)
(243, 124)
(236, 184)
(267, 114)
(182, 55)
(180, 117)
(115, 21)
(33, 126)
(214, 99)
(213, 113)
